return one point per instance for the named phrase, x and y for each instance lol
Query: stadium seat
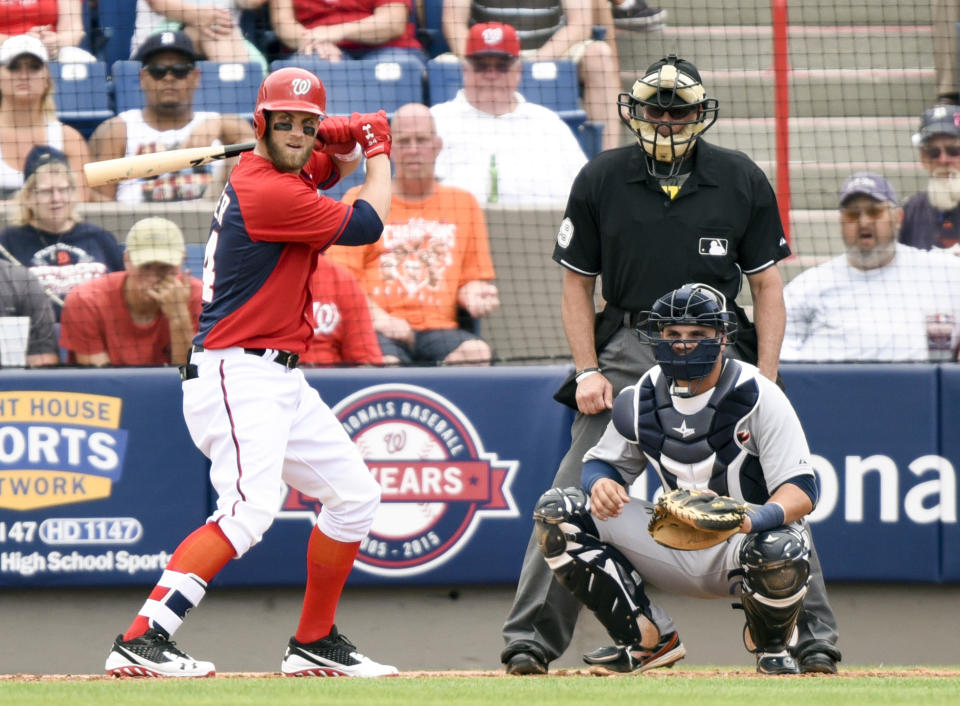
(115, 23)
(81, 94)
(364, 85)
(552, 84)
(224, 87)
(194, 259)
(430, 29)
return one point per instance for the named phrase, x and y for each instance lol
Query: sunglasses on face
(308, 130)
(160, 71)
(852, 214)
(500, 65)
(933, 152)
(675, 113)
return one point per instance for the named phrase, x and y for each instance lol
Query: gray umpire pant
(543, 611)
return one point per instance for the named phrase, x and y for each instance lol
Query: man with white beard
(879, 301)
(932, 217)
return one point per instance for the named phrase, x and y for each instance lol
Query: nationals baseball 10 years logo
(437, 481)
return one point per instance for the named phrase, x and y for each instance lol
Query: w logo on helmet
(299, 86)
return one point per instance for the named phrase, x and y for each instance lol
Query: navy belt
(284, 358)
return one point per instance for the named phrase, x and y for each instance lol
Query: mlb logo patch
(713, 246)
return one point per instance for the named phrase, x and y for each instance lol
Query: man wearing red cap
(489, 130)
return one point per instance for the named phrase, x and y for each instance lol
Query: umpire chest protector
(701, 447)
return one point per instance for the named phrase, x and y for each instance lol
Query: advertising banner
(99, 480)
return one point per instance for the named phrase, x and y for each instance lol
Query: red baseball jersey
(265, 235)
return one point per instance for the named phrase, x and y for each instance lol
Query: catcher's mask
(696, 305)
(671, 86)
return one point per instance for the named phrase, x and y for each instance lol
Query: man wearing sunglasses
(879, 301)
(646, 218)
(932, 217)
(169, 77)
(490, 131)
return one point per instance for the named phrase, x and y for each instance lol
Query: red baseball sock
(204, 552)
(328, 564)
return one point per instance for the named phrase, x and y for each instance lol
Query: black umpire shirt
(619, 223)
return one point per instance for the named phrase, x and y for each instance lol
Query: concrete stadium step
(827, 93)
(750, 47)
(805, 12)
(833, 139)
(817, 184)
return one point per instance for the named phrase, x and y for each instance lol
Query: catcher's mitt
(695, 519)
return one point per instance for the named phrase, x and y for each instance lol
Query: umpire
(647, 220)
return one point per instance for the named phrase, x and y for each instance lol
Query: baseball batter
(246, 405)
(703, 422)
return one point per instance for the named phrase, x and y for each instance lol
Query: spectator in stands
(343, 332)
(496, 145)
(433, 256)
(882, 300)
(945, 15)
(562, 31)
(48, 236)
(28, 113)
(145, 315)
(364, 29)
(168, 78)
(57, 24)
(213, 25)
(22, 295)
(932, 217)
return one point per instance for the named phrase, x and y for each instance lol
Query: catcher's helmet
(289, 88)
(693, 304)
(671, 84)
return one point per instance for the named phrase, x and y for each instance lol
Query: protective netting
(814, 92)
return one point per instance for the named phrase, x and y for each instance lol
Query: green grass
(574, 690)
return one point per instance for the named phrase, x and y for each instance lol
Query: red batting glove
(334, 138)
(372, 131)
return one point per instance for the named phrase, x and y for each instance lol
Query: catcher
(734, 464)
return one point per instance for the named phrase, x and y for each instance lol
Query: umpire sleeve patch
(624, 416)
(565, 234)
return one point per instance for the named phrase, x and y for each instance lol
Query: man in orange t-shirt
(433, 257)
(144, 315)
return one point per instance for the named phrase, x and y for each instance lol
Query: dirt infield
(709, 673)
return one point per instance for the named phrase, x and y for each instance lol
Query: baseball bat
(111, 171)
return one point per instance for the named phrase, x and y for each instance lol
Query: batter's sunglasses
(933, 152)
(159, 71)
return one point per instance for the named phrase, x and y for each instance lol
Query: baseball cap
(867, 184)
(40, 155)
(939, 120)
(165, 41)
(493, 38)
(21, 44)
(156, 240)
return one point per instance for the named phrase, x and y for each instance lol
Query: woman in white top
(28, 113)
(213, 25)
